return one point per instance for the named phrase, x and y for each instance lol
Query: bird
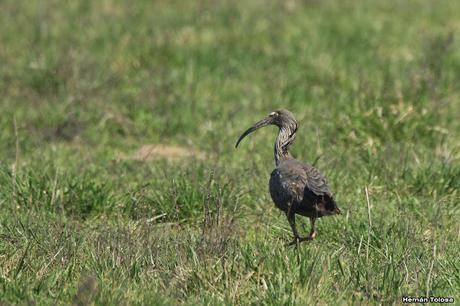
(295, 187)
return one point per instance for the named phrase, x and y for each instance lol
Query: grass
(86, 84)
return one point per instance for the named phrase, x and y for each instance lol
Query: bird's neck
(286, 137)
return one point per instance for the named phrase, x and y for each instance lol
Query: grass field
(90, 88)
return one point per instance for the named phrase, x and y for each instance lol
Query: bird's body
(295, 187)
(301, 188)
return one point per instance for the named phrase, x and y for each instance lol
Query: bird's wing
(317, 191)
(300, 180)
(316, 182)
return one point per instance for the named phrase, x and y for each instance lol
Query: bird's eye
(273, 114)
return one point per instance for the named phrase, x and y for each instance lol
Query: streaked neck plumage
(286, 137)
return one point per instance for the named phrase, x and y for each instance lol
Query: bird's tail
(332, 207)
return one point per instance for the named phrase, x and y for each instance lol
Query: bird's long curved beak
(264, 122)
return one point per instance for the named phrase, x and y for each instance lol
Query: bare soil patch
(150, 152)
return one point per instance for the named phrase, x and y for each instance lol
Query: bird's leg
(291, 218)
(297, 238)
(312, 231)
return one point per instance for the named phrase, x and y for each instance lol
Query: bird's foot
(298, 240)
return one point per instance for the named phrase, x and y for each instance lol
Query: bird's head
(282, 118)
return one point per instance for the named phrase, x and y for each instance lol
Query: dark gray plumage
(295, 187)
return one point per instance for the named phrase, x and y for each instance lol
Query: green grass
(85, 84)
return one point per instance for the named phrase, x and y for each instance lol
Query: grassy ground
(88, 88)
